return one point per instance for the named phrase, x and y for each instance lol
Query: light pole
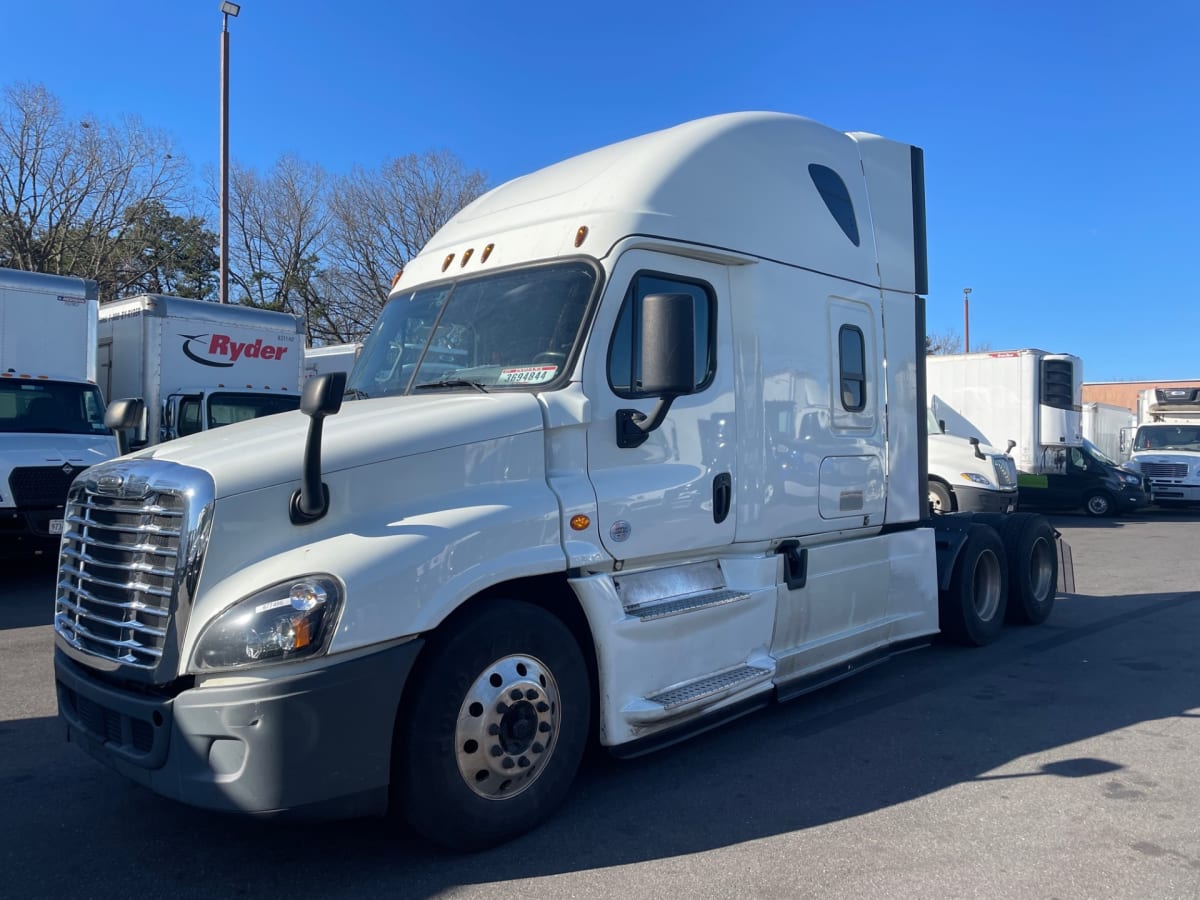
(227, 9)
(966, 320)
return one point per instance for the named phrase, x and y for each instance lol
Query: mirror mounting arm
(633, 426)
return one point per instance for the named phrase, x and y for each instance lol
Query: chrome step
(672, 606)
(697, 694)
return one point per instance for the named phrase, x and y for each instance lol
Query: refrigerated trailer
(51, 411)
(199, 365)
(1031, 400)
(622, 458)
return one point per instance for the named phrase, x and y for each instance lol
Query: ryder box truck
(628, 453)
(199, 365)
(51, 411)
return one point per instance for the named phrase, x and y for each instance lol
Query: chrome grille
(117, 574)
(1165, 470)
(1006, 471)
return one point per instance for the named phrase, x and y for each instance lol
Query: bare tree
(278, 226)
(381, 220)
(942, 343)
(70, 191)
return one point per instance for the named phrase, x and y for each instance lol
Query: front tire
(940, 500)
(971, 610)
(488, 745)
(1098, 504)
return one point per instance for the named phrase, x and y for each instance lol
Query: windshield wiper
(452, 382)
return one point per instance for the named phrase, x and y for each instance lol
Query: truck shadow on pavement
(925, 721)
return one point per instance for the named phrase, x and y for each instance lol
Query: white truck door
(674, 493)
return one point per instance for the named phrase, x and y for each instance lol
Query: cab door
(673, 494)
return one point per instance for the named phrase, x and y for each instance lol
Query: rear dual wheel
(971, 609)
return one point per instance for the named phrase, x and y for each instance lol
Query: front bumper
(976, 499)
(315, 744)
(1132, 498)
(29, 529)
(1175, 492)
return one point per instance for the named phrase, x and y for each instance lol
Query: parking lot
(1058, 762)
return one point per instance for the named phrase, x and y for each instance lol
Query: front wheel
(939, 497)
(1098, 504)
(490, 742)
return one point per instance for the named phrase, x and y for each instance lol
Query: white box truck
(622, 458)
(51, 410)
(1110, 428)
(1166, 446)
(1033, 399)
(330, 358)
(199, 365)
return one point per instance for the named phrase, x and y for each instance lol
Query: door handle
(722, 496)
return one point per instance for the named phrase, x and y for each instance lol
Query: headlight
(287, 621)
(1129, 479)
(976, 478)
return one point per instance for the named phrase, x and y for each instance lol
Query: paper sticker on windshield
(527, 375)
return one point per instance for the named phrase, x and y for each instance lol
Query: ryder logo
(221, 351)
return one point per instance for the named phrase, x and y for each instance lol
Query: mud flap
(1066, 566)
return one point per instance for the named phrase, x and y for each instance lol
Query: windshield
(1167, 437)
(506, 330)
(1096, 453)
(51, 407)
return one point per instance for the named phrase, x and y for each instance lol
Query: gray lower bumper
(316, 744)
(973, 499)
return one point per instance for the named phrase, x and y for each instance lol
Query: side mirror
(123, 415)
(975, 444)
(322, 397)
(942, 425)
(668, 362)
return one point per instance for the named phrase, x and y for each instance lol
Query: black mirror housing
(323, 395)
(668, 344)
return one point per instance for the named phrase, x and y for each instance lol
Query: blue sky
(1060, 137)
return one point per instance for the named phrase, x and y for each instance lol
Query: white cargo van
(51, 411)
(623, 456)
(199, 365)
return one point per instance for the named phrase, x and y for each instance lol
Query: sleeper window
(853, 368)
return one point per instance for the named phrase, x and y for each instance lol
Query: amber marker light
(580, 523)
(466, 256)
(446, 262)
(396, 277)
(487, 251)
(581, 235)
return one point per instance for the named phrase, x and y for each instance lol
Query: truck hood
(51, 448)
(268, 451)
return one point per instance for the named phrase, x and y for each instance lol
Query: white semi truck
(629, 453)
(199, 365)
(1031, 401)
(1166, 445)
(51, 411)
(966, 475)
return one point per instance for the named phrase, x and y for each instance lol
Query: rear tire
(488, 745)
(1030, 544)
(972, 609)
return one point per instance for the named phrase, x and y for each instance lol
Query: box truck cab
(1032, 400)
(621, 458)
(51, 411)
(1166, 445)
(199, 365)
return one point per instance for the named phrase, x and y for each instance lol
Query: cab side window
(189, 416)
(624, 353)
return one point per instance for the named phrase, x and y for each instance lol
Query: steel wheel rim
(1041, 569)
(1098, 505)
(986, 586)
(507, 727)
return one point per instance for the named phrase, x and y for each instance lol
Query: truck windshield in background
(1167, 437)
(509, 329)
(51, 407)
(226, 408)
